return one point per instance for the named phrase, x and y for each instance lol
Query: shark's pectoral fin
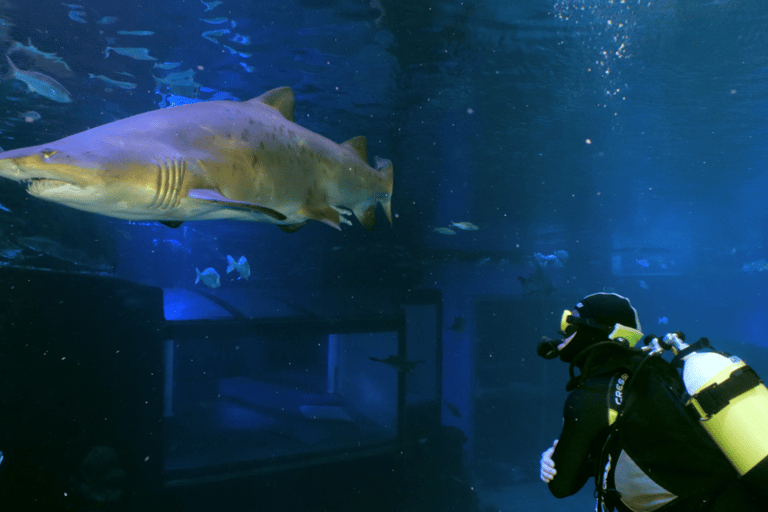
(292, 228)
(280, 99)
(359, 145)
(171, 223)
(213, 197)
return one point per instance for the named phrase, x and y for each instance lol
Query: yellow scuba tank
(732, 403)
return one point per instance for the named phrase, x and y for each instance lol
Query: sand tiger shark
(209, 160)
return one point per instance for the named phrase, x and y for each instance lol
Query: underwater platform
(109, 404)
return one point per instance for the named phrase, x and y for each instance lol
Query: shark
(239, 160)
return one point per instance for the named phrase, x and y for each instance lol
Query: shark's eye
(48, 153)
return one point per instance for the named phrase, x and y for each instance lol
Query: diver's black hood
(606, 309)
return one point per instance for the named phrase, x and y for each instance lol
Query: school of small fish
(463, 226)
(39, 77)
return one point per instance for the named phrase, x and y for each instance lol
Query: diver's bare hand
(548, 471)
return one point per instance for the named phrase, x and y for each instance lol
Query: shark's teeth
(39, 185)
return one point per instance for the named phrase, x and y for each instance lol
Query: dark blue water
(629, 135)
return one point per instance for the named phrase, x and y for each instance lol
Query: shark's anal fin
(360, 146)
(292, 228)
(213, 197)
(281, 99)
(321, 212)
(366, 216)
(171, 223)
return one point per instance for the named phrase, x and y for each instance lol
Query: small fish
(209, 277)
(663, 320)
(215, 21)
(106, 20)
(209, 6)
(643, 263)
(466, 226)
(133, 53)
(544, 260)
(537, 283)
(240, 39)
(642, 284)
(47, 63)
(210, 34)
(30, 116)
(241, 265)
(167, 65)
(459, 323)
(78, 16)
(135, 32)
(399, 363)
(452, 409)
(39, 83)
(445, 231)
(115, 83)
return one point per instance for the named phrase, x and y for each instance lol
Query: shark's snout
(47, 172)
(10, 169)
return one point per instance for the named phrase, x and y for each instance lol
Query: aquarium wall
(244, 240)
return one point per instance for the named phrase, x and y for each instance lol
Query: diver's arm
(584, 418)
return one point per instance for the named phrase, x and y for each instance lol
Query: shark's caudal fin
(385, 170)
(365, 213)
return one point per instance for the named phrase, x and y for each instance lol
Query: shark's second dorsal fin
(360, 145)
(280, 99)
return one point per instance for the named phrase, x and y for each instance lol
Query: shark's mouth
(37, 186)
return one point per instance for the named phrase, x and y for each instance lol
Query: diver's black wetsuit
(585, 427)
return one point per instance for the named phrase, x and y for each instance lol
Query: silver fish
(39, 83)
(209, 277)
(466, 226)
(135, 32)
(115, 83)
(241, 265)
(133, 53)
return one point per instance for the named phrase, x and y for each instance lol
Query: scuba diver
(626, 423)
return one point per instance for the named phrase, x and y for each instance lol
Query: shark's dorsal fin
(360, 145)
(280, 99)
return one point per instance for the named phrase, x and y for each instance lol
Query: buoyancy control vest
(656, 454)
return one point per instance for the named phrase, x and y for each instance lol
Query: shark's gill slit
(181, 172)
(170, 184)
(157, 202)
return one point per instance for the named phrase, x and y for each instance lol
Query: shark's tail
(197, 279)
(384, 168)
(231, 264)
(366, 210)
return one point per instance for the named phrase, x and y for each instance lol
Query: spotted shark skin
(210, 160)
